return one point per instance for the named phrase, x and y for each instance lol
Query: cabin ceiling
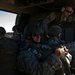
(30, 6)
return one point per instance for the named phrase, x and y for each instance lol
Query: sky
(7, 20)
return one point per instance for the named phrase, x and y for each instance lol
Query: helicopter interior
(30, 11)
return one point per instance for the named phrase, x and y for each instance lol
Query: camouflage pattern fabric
(53, 42)
(52, 64)
(32, 60)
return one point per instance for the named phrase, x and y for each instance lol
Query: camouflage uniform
(67, 24)
(33, 60)
(36, 59)
(70, 46)
(55, 19)
(55, 40)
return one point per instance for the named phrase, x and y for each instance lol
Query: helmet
(32, 29)
(2, 30)
(55, 30)
(16, 27)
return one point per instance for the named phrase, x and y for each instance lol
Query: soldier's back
(8, 50)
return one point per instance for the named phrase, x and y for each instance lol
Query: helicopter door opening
(7, 20)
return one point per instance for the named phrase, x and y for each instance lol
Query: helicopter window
(7, 20)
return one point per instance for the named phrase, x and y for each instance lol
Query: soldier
(56, 18)
(8, 53)
(55, 33)
(33, 58)
(17, 35)
(63, 19)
